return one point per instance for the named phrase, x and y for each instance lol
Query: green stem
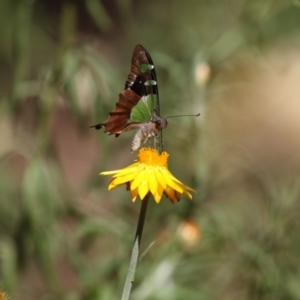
(135, 251)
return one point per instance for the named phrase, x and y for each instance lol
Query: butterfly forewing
(142, 71)
(142, 80)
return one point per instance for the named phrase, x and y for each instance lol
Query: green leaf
(145, 252)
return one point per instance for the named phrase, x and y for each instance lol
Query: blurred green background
(62, 66)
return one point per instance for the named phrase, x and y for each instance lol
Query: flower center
(151, 157)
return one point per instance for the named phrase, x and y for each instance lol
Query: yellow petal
(159, 177)
(134, 194)
(188, 194)
(109, 172)
(139, 177)
(153, 184)
(177, 195)
(174, 185)
(121, 172)
(128, 170)
(143, 189)
(179, 182)
(120, 180)
(158, 194)
(170, 193)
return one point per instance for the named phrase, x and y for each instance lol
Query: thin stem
(141, 221)
(135, 250)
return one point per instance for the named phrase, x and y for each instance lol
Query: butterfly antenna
(183, 116)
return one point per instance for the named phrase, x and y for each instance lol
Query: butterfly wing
(139, 99)
(142, 80)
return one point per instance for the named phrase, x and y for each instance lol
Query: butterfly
(138, 105)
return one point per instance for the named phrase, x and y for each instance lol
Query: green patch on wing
(150, 82)
(146, 67)
(143, 111)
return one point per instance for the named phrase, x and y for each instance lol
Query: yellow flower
(149, 175)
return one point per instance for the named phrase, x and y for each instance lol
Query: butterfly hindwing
(143, 111)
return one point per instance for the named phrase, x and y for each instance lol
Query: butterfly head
(160, 122)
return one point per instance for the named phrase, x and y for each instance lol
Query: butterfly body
(148, 130)
(138, 105)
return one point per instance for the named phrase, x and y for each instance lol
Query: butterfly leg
(157, 140)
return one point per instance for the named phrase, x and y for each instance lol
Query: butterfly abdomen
(146, 130)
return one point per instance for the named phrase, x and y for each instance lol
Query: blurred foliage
(62, 235)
